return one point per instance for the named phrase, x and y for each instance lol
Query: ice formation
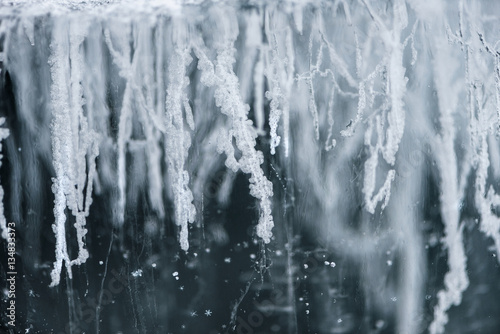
(340, 115)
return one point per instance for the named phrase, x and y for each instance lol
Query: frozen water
(256, 166)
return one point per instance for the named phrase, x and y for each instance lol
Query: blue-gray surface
(251, 167)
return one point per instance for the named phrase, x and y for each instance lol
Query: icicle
(29, 29)
(61, 146)
(397, 81)
(124, 126)
(298, 17)
(274, 117)
(227, 97)
(258, 105)
(280, 79)
(152, 122)
(330, 142)
(312, 67)
(274, 94)
(178, 141)
(74, 145)
(121, 83)
(456, 280)
(85, 143)
(255, 63)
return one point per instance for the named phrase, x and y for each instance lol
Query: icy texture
(221, 75)
(368, 129)
(178, 138)
(74, 145)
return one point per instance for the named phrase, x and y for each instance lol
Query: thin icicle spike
(61, 149)
(176, 137)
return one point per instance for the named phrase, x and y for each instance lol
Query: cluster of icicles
(317, 83)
